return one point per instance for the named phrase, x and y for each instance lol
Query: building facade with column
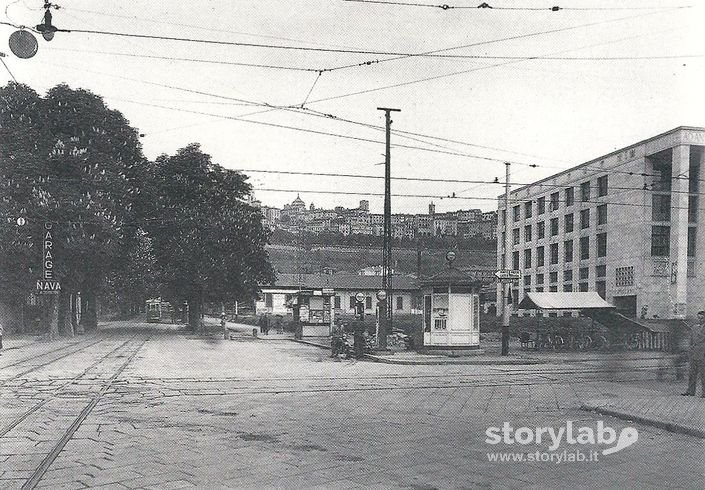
(629, 225)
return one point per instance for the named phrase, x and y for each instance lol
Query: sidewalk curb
(430, 362)
(453, 361)
(300, 341)
(669, 426)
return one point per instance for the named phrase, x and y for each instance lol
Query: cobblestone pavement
(144, 408)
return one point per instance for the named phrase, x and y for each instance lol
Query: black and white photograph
(352, 244)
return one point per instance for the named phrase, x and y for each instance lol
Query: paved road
(134, 406)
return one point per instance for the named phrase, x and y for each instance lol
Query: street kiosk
(315, 312)
(451, 315)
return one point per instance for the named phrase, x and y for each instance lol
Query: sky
(471, 92)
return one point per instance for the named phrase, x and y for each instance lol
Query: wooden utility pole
(506, 300)
(386, 325)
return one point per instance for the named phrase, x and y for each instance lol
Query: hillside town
(297, 217)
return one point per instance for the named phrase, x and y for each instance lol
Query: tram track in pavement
(62, 355)
(338, 386)
(124, 353)
(39, 472)
(53, 393)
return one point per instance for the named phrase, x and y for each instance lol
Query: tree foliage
(178, 227)
(208, 241)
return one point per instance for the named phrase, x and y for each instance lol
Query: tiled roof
(343, 281)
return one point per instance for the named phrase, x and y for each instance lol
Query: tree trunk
(194, 312)
(53, 315)
(89, 313)
(65, 325)
(75, 309)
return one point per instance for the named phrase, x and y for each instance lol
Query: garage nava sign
(48, 283)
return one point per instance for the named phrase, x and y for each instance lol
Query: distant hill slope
(349, 258)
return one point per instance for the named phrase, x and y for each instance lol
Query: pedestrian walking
(336, 339)
(696, 356)
(266, 323)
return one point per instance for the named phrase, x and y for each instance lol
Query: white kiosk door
(460, 319)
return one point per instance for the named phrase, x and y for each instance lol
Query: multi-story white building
(629, 225)
(445, 225)
(469, 215)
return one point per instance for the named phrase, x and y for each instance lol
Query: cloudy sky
(294, 86)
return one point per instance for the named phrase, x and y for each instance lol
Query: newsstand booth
(451, 315)
(315, 312)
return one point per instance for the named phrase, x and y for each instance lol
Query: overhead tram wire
(497, 65)
(304, 129)
(446, 180)
(263, 123)
(324, 133)
(287, 108)
(269, 106)
(431, 53)
(272, 108)
(513, 201)
(49, 179)
(502, 64)
(487, 6)
(191, 60)
(193, 26)
(399, 55)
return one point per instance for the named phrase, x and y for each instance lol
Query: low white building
(276, 298)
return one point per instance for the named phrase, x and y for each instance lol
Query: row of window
(583, 275)
(600, 287)
(368, 302)
(554, 202)
(399, 303)
(553, 252)
(568, 225)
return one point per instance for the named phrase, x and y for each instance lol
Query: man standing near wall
(696, 356)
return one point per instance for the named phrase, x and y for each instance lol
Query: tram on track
(158, 310)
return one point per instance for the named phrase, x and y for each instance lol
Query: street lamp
(46, 28)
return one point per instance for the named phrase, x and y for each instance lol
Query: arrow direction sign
(506, 275)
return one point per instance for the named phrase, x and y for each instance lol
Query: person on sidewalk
(696, 356)
(336, 339)
(266, 323)
(359, 339)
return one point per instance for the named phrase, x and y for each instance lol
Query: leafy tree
(69, 160)
(208, 242)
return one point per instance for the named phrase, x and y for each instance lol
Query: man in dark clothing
(359, 339)
(696, 356)
(336, 339)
